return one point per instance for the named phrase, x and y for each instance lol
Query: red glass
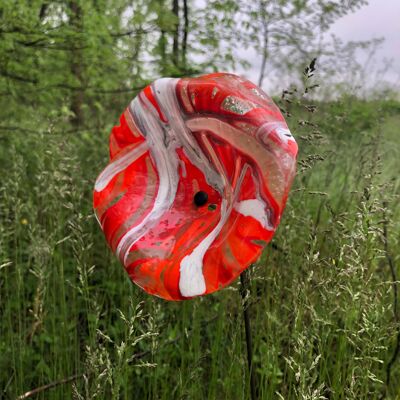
(217, 134)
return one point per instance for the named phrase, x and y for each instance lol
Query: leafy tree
(287, 33)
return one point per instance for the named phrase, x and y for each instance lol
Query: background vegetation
(323, 302)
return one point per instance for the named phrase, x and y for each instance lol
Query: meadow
(323, 302)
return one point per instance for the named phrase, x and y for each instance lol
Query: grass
(322, 309)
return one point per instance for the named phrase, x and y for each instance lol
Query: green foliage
(321, 307)
(323, 316)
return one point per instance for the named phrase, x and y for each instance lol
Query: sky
(380, 18)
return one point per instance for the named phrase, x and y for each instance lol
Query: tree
(290, 32)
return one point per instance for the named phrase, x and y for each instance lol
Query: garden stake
(245, 293)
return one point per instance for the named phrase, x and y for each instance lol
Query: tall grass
(322, 305)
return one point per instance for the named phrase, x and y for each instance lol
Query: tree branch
(51, 385)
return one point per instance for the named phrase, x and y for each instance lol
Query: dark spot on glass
(200, 198)
(212, 207)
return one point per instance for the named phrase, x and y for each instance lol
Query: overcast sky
(380, 18)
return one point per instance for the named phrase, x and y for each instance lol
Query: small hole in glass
(200, 198)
